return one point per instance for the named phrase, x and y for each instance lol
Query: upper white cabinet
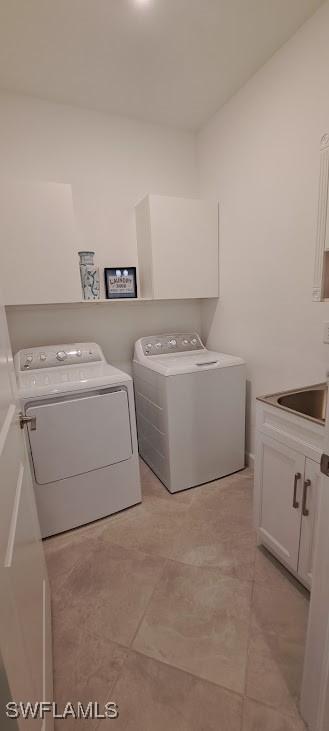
(39, 260)
(177, 241)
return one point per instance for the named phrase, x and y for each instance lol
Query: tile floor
(170, 610)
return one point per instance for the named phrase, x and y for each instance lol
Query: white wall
(111, 163)
(114, 326)
(260, 156)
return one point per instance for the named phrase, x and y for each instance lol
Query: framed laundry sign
(120, 283)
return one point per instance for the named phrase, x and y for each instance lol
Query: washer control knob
(149, 346)
(61, 355)
(43, 357)
(172, 343)
(194, 341)
(28, 361)
(185, 342)
(158, 345)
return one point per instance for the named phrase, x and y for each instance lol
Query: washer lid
(196, 362)
(64, 379)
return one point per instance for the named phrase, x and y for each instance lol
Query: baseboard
(250, 460)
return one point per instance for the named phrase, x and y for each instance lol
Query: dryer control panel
(51, 356)
(171, 343)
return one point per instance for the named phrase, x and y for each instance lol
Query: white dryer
(81, 434)
(190, 406)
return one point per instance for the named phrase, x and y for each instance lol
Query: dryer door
(78, 434)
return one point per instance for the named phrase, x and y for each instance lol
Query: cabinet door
(184, 237)
(25, 619)
(281, 483)
(309, 514)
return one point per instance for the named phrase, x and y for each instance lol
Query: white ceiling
(168, 61)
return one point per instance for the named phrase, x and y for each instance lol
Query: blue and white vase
(89, 276)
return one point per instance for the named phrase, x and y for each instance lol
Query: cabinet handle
(295, 503)
(305, 511)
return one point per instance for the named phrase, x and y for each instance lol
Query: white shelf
(143, 299)
(119, 299)
(77, 303)
(139, 299)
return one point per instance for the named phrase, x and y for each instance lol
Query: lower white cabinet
(281, 475)
(286, 497)
(309, 512)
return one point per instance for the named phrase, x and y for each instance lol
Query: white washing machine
(190, 406)
(81, 433)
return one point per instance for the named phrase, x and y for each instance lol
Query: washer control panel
(51, 356)
(172, 343)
